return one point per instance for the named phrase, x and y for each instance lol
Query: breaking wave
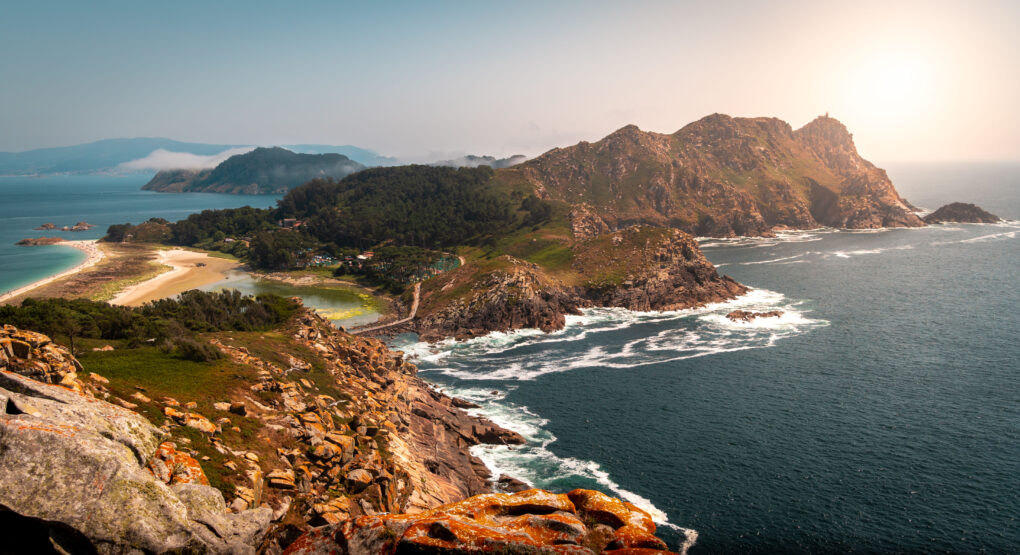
(486, 371)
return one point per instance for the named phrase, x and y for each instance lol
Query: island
(961, 212)
(259, 172)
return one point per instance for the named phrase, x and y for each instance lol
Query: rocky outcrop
(961, 212)
(517, 295)
(78, 473)
(35, 356)
(749, 316)
(381, 440)
(637, 268)
(722, 176)
(531, 521)
(39, 241)
(665, 270)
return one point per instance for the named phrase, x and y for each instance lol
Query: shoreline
(185, 275)
(93, 254)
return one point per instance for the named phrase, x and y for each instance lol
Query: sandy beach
(186, 274)
(93, 255)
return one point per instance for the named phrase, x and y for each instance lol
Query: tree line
(432, 208)
(170, 324)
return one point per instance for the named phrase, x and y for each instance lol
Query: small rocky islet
(961, 212)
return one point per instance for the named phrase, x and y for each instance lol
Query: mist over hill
(261, 171)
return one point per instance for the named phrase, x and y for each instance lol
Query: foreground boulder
(961, 212)
(83, 475)
(531, 521)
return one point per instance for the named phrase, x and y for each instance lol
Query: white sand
(93, 255)
(184, 276)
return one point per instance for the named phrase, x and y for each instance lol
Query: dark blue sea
(879, 414)
(102, 200)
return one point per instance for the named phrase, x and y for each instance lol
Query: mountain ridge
(722, 176)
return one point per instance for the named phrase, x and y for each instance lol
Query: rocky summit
(722, 177)
(354, 458)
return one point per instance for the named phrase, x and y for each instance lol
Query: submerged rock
(748, 316)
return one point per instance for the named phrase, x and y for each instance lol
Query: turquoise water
(879, 414)
(345, 306)
(26, 203)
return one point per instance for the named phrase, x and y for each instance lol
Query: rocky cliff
(961, 212)
(80, 466)
(638, 268)
(722, 176)
(261, 171)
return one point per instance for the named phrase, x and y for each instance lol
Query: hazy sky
(912, 81)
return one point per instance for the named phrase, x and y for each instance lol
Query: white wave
(770, 261)
(505, 358)
(993, 236)
(537, 465)
(670, 336)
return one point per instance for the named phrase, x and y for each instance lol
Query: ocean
(27, 202)
(879, 414)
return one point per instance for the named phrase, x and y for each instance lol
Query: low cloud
(162, 159)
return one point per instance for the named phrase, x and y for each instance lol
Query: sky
(911, 80)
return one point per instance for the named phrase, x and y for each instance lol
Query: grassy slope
(156, 374)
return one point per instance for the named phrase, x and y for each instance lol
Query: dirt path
(414, 310)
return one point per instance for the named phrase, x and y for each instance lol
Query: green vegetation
(261, 171)
(430, 208)
(408, 205)
(392, 268)
(169, 324)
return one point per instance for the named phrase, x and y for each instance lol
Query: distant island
(262, 171)
(80, 226)
(961, 212)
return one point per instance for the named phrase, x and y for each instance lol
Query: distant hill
(719, 176)
(472, 161)
(108, 155)
(95, 157)
(360, 155)
(261, 171)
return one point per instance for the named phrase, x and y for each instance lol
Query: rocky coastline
(83, 470)
(665, 270)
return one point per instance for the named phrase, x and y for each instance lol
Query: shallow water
(344, 306)
(26, 203)
(881, 413)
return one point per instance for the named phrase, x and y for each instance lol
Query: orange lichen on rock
(531, 521)
(174, 467)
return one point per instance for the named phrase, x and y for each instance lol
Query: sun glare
(893, 86)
